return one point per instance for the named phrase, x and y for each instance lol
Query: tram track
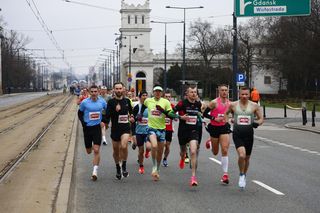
(11, 163)
(10, 123)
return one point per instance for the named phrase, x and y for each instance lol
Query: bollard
(285, 110)
(264, 111)
(304, 116)
(313, 115)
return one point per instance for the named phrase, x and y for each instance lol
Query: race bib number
(123, 119)
(192, 120)
(220, 115)
(244, 120)
(94, 116)
(168, 121)
(143, 122)
(155, 113)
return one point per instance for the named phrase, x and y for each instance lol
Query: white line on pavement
(255, 181)
(287, 145)
(215, 160)
(268, 187)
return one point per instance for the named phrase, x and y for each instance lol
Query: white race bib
(155, 113)
(220, 115)
(168, 120)
(94, 116)
(123, 119)
(192, 120)
(244, 120)
(143, 122)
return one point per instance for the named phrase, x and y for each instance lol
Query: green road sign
(246, 8)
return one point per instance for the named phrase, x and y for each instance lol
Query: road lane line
(267, 187)
(287, 145)
(215, 160)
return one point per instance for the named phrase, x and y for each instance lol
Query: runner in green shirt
(158, 108)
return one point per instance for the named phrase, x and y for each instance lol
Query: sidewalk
(277, 113)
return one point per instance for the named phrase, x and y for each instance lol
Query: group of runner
(150, 120)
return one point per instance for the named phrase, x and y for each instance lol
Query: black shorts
(169, 136)
(244, 139)
(216, 131)
(185, 136)
(141, 139)
(117, 133)
(92, 134)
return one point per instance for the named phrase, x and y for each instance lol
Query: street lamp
(125, 36)
(165, 49)
(184, 40)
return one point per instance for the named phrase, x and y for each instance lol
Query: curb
(302, 129)
(64, 188)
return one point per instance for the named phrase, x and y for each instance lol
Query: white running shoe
(242, 181)
(105, 143)
(94, 176)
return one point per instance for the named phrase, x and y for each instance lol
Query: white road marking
(267, 187)
(287, 145)
(215, 160)
(255, 181)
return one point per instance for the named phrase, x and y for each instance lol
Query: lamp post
(235, 59)
(165, 49)
(184, 40)
(130, 53)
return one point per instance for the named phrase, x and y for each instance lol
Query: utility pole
(1, 37)
(235, 59)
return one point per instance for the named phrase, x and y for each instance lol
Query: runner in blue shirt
(91, 117)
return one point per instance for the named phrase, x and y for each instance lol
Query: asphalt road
(286, 160)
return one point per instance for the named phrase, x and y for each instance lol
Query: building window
(267, 79)
(142, 19)
(260, 51)
(129, 19)
(268, 52)
(136, 19)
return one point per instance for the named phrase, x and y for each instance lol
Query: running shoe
(155, 175)
(186, 160)
(94, 176)
(141, 169)
(125, 173)
(193, 181)
(225, 178)
(165, 162)
(147, 154)
(181, 164)
(242, 181)
(208, 143)
(118, 175)
(105, 143)
(134, 146)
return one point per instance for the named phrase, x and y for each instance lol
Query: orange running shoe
(141, 169)
(181, 164)
(225, 178)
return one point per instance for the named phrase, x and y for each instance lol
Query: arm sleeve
(206, 114)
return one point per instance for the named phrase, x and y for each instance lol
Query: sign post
(248, 8)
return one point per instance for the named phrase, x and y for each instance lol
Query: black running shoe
(119, 176)
(125, 173)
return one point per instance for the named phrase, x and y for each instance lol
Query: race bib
(220, 115)
(244, 120)
(123, 119)
(155, 113)
(143, 122)
(192, 120)
(94, 116)
(168, 121)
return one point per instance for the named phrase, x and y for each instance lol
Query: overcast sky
(83, 31)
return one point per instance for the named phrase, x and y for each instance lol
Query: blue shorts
(160, 133)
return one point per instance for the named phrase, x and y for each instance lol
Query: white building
(139, 66)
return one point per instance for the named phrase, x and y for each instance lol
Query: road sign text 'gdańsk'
(247, 8)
